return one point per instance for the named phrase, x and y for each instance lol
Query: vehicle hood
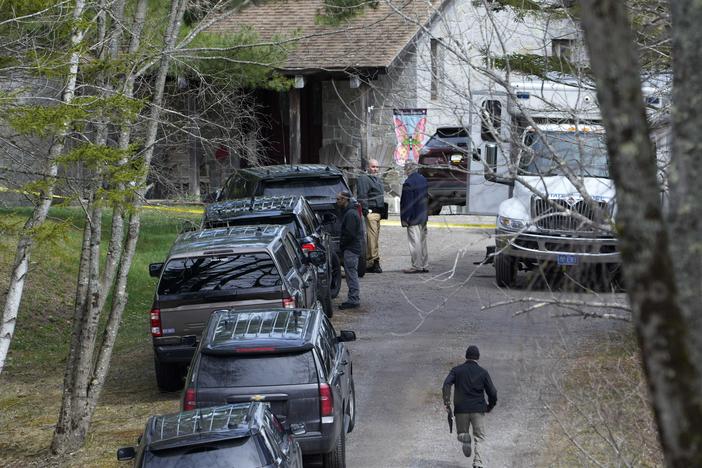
(555, 187)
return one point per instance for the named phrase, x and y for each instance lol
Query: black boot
(376, 267)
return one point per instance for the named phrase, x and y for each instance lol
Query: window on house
(563, 48)
(491, 120)
(436, 68)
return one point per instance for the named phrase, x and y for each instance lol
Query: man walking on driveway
(471, 382)
(350, 246)
(413, 215)
(370, 193)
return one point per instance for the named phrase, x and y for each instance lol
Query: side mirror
(298, 429)
(491, 166)
(126, 453)
(187, 226)
(346, 335)
(317, 257)
(155, 269)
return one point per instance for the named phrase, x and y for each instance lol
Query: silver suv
(247, 267)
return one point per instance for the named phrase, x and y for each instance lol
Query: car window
(328, 335)
(310, 188)
(212, 454)
(283, 259)
(308, 219)
(324, 355)
(272, 442)
(276, 428)
(255, 371)
(220, 273)
(292, 251)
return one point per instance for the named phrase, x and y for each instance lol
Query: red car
(444, 162)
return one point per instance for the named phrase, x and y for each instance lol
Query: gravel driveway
(401, 359)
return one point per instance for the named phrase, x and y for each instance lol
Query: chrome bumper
(550, 247)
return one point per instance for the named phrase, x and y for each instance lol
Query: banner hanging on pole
(409, 130)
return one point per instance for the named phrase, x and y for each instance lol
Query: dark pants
(351, 269)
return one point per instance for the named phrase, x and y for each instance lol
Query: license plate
(567, 259)
(456, 158)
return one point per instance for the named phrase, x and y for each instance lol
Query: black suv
(247, 267)
(291, 359)
(444, 161)
(244, 435)
(318, 183)
(293, 212)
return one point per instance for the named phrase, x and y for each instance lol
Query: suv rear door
(287, 381)
(191, 288)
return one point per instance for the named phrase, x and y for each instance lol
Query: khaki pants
(463, 423)
(417, 237)
(372, 237)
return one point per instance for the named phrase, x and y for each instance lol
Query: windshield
(584, 153)
(221, 273)
(448, 138)
(213, 455)
(326, 187)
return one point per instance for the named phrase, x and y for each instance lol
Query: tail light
(288, 303)
(156, 322)
(326, 400)
(189, 401)
(309, 247)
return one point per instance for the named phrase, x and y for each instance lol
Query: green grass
(30, 386)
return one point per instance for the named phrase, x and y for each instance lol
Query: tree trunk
(20, 266)
(657, 288)
(89, 375)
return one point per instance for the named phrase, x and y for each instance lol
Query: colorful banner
(409, 129)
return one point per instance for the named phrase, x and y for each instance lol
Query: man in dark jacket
(414, 216)
(370, 193)
(471, 383)
(350, 246)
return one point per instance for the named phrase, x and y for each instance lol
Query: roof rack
(219, 418)
(280, 324)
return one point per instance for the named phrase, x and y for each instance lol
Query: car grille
(549, 218)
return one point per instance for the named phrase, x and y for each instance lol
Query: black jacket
(471, 381)
(350, 230)
(370, 191)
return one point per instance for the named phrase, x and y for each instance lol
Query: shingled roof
(372, 39)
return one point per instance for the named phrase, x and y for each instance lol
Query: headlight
(511, 223)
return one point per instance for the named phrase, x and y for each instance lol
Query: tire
(352, 408)
(337, 457)
(335, 279)
(327, 305)
(505, 270)
(169, 376)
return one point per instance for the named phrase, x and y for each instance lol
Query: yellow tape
(436, 224)
(385, 222)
